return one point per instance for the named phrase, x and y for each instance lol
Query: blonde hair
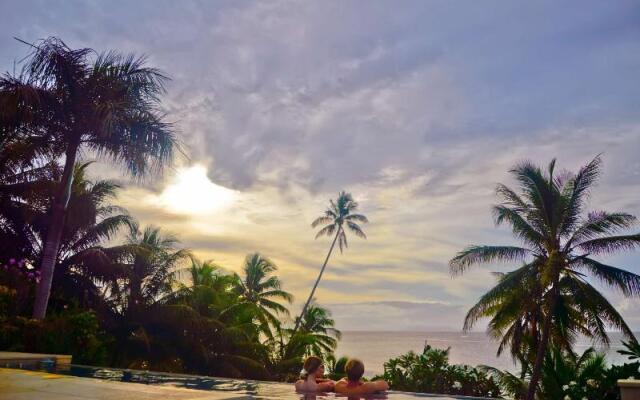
(311, 365)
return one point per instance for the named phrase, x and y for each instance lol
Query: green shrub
(582, 376)
(430, 372)
(75, 333)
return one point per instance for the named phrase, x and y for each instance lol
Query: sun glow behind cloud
(191, 192)
(418, 116)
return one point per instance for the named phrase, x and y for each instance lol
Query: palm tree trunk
(54, 234)
(542, 346)
(313, 291)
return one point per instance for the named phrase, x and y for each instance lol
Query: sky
(418, 108)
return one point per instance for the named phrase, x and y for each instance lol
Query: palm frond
(610, 244)
(486, 254)
(626, 282)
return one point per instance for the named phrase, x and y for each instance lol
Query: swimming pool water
(253, 389)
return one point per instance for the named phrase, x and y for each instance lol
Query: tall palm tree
(259, 288)
(339, 214)
(516, 314)
(83, 258)
(75, 100)
(548, 217)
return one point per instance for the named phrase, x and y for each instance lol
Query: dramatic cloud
(418, 108)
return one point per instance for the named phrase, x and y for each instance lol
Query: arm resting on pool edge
(305, 386)
(326, 386)
(364, 388)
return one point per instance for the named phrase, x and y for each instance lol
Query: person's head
(354, 369)
(312, 366)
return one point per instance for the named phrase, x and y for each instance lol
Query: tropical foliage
(430, 372)
(115, 293)
(136, 304)
(65, 101)
(632, 349)
(548, 300)
(569, 375)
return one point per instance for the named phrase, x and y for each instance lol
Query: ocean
(473, 348)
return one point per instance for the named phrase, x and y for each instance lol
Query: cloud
(428, 316)
(418, 110)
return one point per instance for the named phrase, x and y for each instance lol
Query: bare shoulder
(326, 386)
(378, 385)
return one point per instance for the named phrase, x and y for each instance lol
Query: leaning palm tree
(261, 290)
(73, 101)
(339, 214)
(560, 241)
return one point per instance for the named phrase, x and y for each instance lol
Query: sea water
(473, 348)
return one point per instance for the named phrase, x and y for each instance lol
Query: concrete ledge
(18, 384)
(16, 359)
(629, 389)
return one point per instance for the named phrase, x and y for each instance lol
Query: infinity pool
(251, 389)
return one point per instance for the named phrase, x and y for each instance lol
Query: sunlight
(191, 192)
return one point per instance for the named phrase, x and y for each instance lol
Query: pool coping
(254, 381)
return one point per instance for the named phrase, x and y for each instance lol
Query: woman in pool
(312, 377)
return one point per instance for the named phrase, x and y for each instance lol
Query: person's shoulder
(300, 384)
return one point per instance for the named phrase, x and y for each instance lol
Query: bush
(430, 372)
(582, 376)
(75, 333)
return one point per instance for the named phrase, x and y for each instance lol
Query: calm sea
(474, 348)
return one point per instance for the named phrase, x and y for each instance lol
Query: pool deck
(18, 384)
(15, 359)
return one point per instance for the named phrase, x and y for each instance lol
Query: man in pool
(353, 384)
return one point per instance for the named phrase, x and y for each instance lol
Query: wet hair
(354, 369)
(311, 365)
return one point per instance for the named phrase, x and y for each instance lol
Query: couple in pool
(312, 379)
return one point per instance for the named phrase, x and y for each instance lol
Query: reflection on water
(253, 389)
(335, 396)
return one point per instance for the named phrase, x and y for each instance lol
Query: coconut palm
(318, 324)
(548, 216)
(632, 349)
(209, 290)
(92, 220)
(340, 214)
(148, 270)
(262, 290)
(75, 100)
(516, 315)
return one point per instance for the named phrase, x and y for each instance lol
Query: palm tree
(74, 100)
(92, 220)
(262, 290)
(564, 373)
(632, 349)
(548, 217)
(318, 325)
(210, 290)
(211, 331)
(516, 313)
(146, 268)
(84, 262)
(336, 216)
(149, 270)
